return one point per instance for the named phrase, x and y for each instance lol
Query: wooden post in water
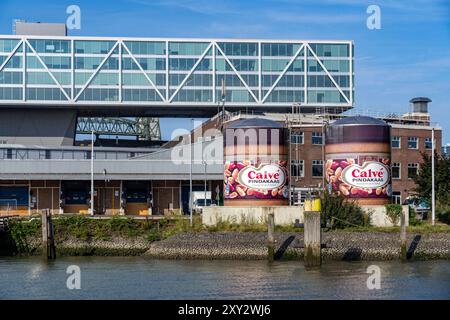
(312, 255)
(403, 251)
(270, 235)
(48, 239)
(44, 234)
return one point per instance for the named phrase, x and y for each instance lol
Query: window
(316, 138)
(428, 143)
(413, 169)
(396, 170)
(396, 142)
(413, 143)
(297, 168)
(297, 138)
(396, 197)
(317, 168)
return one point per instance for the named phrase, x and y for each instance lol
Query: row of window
(413, 142)
(231, 80)
(283, 95)
(279, 65)
(413, 170)
(330, 65)
(7, 45)
(177, 48)
(298, 168)
(298, 138)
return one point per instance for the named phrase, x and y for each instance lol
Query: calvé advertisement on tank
(244, 180)
(359, 176)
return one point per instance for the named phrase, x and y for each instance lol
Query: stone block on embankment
(379, 217)
(283, 215)
(339, 245)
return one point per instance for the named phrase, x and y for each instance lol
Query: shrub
(443, 214)
(393, 211)
(341, 212)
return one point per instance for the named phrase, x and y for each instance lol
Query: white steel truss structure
(175, 72)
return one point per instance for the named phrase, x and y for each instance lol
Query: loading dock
(14, 199)
(136, 197)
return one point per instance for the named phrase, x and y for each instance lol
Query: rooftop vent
(420, 104)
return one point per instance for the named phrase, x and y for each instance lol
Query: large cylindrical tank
(255, 170)
(358, 159)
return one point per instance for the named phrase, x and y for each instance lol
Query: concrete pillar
(403, 250)
(313, 237)
(270, 234)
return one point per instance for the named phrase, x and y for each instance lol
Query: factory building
(54, 86)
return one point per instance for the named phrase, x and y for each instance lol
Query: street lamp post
(433, 200)
(204, 163)
(92, 173)
(190, 173)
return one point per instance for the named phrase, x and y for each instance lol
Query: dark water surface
(143, 278)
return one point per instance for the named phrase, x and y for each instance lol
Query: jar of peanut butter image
(255, 163)
(358, 159)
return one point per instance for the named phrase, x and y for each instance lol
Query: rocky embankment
(116, 246)
(336, 246)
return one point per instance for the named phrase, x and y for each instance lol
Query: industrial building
(54, 86)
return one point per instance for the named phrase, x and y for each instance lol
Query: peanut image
(233, 195)
(328, 164)
(354, 191)
(338, 172)
(378, 191)
(350, 161)
(344, 164)
(334, 165)
(363, 193)
(227, 173)
(274, 192)
(240, 191)
(235, 173)
(343, 189)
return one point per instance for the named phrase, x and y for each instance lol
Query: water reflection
(141, 278)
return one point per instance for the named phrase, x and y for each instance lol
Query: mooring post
(270, 235)
(312, 255)
(51, 243)
(403, 252)
(48, 240)
(44, 234)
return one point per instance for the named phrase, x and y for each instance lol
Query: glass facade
(164, 71)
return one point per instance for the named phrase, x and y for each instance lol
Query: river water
(143, 278)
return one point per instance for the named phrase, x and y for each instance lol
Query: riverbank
(175, 239)
(338, 245)
(232, 245)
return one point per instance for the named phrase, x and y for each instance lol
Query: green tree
(442, 179)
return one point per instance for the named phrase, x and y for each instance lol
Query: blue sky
(408, 57)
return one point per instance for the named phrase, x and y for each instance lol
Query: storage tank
(255, 170)
(358, 159)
